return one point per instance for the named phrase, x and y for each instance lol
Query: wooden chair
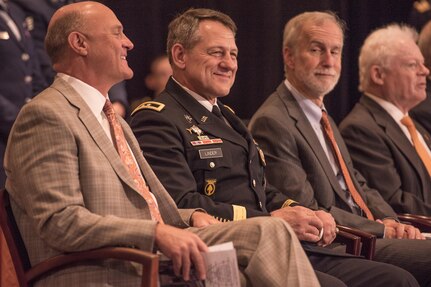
(368, 241)
(350, 240)
(27, 274)
(422, 222)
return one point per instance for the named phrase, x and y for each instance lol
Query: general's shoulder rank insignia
(229, 108)
(150, 105)
(210, 186)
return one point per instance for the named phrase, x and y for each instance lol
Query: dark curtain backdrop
(260, 26)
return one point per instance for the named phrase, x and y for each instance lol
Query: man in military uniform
(38, 13)
(205, 156)
(20, 76)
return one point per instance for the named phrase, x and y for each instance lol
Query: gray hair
(295, 26)
(183, 28)
(380, 47)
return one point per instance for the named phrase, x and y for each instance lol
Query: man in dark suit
(305, 154)
(78, 180)
(422, 112)
(20, 75)
(393, 81)
(205, 156)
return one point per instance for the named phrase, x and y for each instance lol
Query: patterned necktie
(351, 187)
(420, 149)
(127, 158)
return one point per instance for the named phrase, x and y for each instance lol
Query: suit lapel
(205, 120)
(306, 130)
(395, 134)
(392, 130)
(94, 129)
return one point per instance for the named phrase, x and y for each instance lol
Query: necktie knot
(216, 111)
(408, 122)
(108, 108)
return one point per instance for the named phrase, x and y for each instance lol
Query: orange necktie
(127, 158)
(350, 186)
(420, 149)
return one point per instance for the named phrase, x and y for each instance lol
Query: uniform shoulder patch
(229, 108)
(150, 105)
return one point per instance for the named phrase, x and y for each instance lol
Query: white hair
(380, 47)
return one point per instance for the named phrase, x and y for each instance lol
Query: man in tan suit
(71, 191)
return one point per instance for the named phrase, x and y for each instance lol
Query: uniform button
(212, 164)
(25, 57)
(28, 79)
(254, 183)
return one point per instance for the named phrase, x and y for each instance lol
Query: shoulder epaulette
(150, 105)
(229, 108)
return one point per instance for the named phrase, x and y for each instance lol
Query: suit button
(254, 183)
(25, 57)
(28, 79)
(212, 164)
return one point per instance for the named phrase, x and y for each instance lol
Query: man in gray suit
(71, 190)
(303, 157)
(393, 156)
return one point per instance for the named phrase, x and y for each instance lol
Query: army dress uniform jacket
(210, 165)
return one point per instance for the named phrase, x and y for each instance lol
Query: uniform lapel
(205, 120)
(304, 127)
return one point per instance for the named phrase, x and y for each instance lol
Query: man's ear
(377, 74)
(178, 56)
(78, 43)
(288, 57)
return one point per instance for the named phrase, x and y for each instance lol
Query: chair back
(13, 238)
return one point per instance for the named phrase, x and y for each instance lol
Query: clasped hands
(396, 230)
(308, 224)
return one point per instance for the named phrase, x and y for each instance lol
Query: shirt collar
(92, 97)
(310, 109)
(201, 100)
(390, 108)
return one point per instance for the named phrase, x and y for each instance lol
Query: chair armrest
(352, 242)
(424, 217)
(149, 261)
(423, 223)
(368, 240)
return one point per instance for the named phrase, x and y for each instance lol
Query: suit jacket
(422, 112)
(211, 176)
(70, 190)
(20, 75)
(298, 166)
(386, 158)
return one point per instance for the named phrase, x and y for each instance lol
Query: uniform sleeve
(164, 148)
